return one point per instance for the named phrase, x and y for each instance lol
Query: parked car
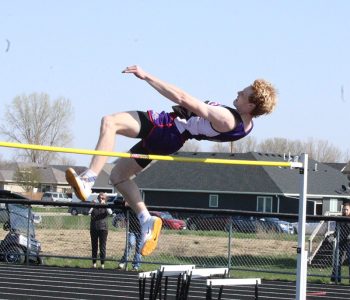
(208, 222)
(253, 224)
(18, 220)
(246, 224)
(118, 200)
(55, 197)
(78, 210)
(168, 220)
(277, 225)
(119, 220)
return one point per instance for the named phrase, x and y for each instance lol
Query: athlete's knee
(108, 123)
(123, 172)
(117, 179)
(114, 180)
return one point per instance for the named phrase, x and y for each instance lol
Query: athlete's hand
(136, 70)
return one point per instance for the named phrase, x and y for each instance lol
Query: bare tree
(66, 160)
(35, 119)
(220, 147)
(191, 146)
(3, 163)
(323, 150)
(275, 145)
(241, 146)
(346, 155)
(248, 144)
(320, 150)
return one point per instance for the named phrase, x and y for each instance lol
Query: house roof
(322, 179)
(346, 169)
(51, 174)
(54, 174)
(102, 180)
(339, 166)
(167, 175)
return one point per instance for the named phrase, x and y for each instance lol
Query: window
(213, 201)
(333, 205)
(264, 204)
(45, 188)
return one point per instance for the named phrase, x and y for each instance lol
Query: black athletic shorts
(159, 135)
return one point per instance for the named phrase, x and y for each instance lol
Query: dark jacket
(344, 232)
(99, 219)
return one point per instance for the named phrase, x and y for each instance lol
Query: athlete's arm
(221, 118)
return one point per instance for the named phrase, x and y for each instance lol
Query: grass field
(272, 256)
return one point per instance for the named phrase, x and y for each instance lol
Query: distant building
(52, 178)
(241, 187)
(238, 187)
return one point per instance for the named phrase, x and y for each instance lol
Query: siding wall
(201, 200)
(226, 201)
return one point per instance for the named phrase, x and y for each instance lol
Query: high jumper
(165, 133)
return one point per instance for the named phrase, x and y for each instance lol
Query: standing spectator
(99, 229)
(134, 241)
(342, 234)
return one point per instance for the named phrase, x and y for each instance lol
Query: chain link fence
(242, 241)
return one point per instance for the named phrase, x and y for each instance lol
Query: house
(238, 187)
(51, 177)
(241, 187)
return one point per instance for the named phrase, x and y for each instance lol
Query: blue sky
(77, 50)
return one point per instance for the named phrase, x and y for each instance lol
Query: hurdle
(303, 166)
(184, 274)
(230, 282)
(165, 271)
(200, 273)
(208, 272)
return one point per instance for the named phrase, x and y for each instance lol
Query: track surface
(40, 282)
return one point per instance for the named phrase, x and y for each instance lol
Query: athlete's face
(242, 101)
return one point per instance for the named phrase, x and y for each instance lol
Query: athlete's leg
(125, 123)
(122, 178)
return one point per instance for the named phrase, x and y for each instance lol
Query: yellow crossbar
(289, 164)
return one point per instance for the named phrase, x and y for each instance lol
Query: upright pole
(229, 245)
(28, 234)
(301, 252)
(127, 230)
